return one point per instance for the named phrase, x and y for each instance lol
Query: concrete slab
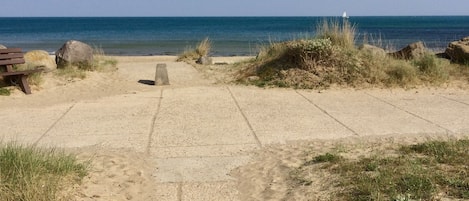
(368, 116)
(210, 191)
(175, 69)
(458, 97)
(449, 114)
(136, 142)
(202, 169)
(199, 116)
(133, 114)
(27, 125)
(278, 116)
(204, 151)
(166, 192)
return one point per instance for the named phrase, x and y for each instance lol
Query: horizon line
(143, 16)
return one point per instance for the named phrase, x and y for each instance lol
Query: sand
(269, 176)
(128, 172)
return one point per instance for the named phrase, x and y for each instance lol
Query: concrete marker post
(161, 75)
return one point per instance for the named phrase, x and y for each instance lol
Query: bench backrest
(11, 56)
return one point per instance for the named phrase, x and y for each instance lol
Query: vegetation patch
(202, 50)
(332, 58)
(34, 78)
(31, 173)
(4, 92)
(425, 171)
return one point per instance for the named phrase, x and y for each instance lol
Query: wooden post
(161, 75)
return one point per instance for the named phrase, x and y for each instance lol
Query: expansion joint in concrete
(327, 113)
(447, 98)
(253, 132)
(153, 123)
(411, 113)
(53, 125)
(179, 191)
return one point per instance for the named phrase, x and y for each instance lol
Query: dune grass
(29, 173)
(425, 171)
(332, 58)
(341, 32)
(34, 78)
(202, 49)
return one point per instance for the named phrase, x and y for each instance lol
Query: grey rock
(74, 53)
(458, 51)
(412, 51)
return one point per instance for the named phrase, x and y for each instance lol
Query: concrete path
(196, 134)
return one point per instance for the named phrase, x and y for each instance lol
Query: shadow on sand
(147, 82)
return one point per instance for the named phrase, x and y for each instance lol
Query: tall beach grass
(202, 50)
(30, 173)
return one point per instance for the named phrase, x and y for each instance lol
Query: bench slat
(24, 72)
(10, 50)
(12, 61)
(11, 56)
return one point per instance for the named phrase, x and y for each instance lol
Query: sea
(230, 36)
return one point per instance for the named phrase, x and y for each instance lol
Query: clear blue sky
(26, 8)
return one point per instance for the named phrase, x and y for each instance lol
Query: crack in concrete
(411, 113)
(53, 125)
(253, 132)
(457, 101)
(179, 192)
(153, 123)
(329, 115)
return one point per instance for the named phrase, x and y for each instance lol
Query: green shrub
(400, 73)
(431, 68)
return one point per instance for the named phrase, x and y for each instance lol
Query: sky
(127, 8)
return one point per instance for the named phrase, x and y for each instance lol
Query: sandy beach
(200, 138)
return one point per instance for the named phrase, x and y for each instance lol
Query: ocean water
(229, 35)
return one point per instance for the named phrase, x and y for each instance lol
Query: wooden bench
(10, 57)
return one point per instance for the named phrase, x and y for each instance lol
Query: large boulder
(74, 53)
(40, 58)
(458, 51)
(412, 51)
(2, 46)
